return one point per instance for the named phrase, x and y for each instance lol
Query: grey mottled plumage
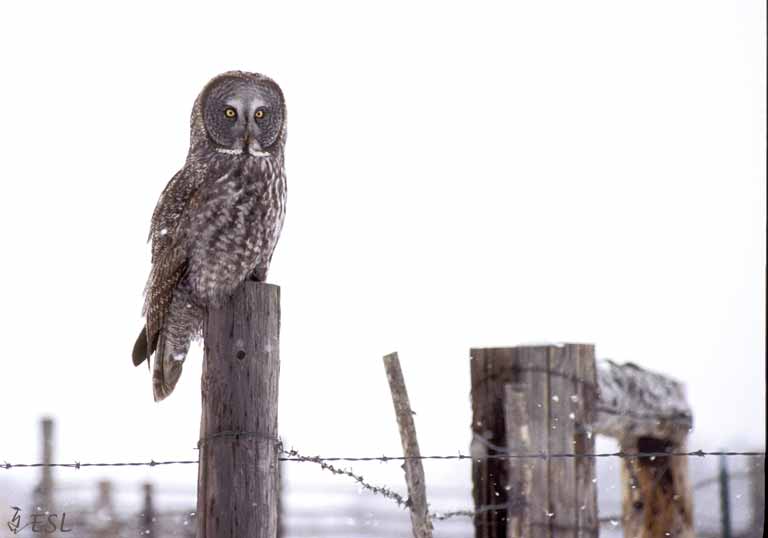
(218, 220)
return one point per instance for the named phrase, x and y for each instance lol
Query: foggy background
(459, 175)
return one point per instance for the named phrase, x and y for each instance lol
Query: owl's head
(240, 113)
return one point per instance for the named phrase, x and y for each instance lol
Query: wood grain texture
(563, 495)
(414, 470)
(238, 476)
(531, 369)
(657, 499)
(585, 411)
(491, 369)
(520, 472)
(526, 399)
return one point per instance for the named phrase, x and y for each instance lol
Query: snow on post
(648, 413)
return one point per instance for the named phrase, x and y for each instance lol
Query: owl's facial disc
(250, 109)
(242, 117)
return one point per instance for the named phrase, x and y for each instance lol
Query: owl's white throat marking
(237, 151)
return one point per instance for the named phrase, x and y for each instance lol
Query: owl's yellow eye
(230, 113)
(259, 114)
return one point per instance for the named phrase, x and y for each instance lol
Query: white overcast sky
(460, 174)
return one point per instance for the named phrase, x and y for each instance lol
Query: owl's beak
(253, 147)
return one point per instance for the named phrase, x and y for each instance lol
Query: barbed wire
(293, 455)
(490, 452)
(387, 459)
(80, 465)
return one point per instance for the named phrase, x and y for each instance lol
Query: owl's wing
(167, 214)
(169, 259)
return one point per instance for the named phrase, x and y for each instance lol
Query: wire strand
(386, 459)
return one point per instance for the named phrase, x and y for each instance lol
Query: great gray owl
(219, 218)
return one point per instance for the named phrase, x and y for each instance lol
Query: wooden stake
(238, 474)
(414, 470)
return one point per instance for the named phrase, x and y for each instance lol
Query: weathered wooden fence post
(237, 495)
(548, 392)
(44, 490)
(148, 512)
(725, 498)
(421, 522)
(757, 496)
(105, 523)
(648, 413)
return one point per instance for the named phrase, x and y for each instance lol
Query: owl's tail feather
(142, 349)
(166, 371)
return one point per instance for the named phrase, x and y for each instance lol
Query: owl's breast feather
(236, 228)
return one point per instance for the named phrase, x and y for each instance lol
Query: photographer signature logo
(38, 522)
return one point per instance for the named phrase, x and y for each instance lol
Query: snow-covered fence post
(237, 488)
(548, 391)
(648, 412)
